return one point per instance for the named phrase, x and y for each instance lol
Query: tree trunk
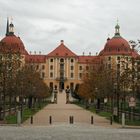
(30, 100)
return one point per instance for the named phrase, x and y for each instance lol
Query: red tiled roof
(135, 54)
(35, 58)
(61, 51)
(12, 43)
(116, 46)
(88, 59)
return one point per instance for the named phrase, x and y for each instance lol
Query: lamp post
(98, 100)
(116, 112)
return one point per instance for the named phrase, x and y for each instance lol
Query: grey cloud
(83, 24)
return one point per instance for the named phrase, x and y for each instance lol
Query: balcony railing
(61, 79)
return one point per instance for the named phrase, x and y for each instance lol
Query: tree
(31, 86)
(9, 64)
(97, 84)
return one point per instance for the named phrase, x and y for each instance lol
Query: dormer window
(51, 60)
(61, 60)
(118, 50)
(109, 58)
(118, 58)
(72, 60)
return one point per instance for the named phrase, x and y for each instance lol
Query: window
(80, 75)
(109, 66)
(109, 58)
(126, 66)
(61, 66)
(37, 67)
(72, 60)
(71, 75)
(51, 60)
(51, 85)
(62, 60)
(118, 66)
(80, 67)
(51, 67)
(72, 86)
(87, 67)
(43, 75)
(51, 74)
(43, 67)
(61, 74)
(72, 67)
(118, 58)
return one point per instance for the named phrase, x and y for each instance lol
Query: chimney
(89, 53)
(83, 53)
(62, 41)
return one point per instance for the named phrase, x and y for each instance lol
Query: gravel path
(61, 111)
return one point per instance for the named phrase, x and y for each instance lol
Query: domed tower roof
(116, 45)
(11, 42)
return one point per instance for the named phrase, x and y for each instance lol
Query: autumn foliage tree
(31, 86)
(97, 84)
(19, 83)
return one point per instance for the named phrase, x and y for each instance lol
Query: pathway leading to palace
(61, 111)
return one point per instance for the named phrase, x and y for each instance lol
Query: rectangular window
(37, 67)
(118, 66)
(43, 75)
(87, 67)
(51, 67)
(109, 58)
(109, 66)
(72, 60)
(51, 60)
(72, 67)
(80, 67)
(43, 67)
(87, 75)
(126, 66)
(71, 75)
(51, 74)
(80, 75)
(61, 67)
(118, 58)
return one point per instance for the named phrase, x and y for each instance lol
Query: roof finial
(62, 41)
(7, 27)
(117, 29)
(11, 27)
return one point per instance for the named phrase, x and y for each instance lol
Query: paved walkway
(61, 111)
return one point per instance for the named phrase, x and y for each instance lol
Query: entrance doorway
(72, 86)
(51, 86)
(61, 85)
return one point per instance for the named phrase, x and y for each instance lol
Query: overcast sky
(84, 25)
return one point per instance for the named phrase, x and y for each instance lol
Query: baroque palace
(63, 67)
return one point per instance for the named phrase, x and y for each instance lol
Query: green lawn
(27, 113)
(133, 123)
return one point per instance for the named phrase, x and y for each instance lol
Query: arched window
(61, 60)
